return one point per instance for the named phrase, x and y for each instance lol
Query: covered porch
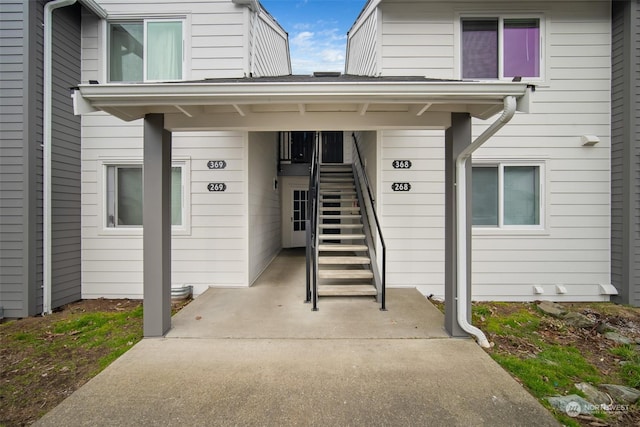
(235, 357)
(303, 103)
(272, 308)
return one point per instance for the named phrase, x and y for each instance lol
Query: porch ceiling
(301, 102)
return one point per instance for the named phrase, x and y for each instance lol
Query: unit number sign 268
(401, 186)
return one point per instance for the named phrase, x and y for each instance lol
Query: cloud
(332, 55)
(317, 46)
(302, 39)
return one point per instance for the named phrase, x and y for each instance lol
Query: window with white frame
(124, 196)
(146, 50)
(497, 47)
(507, 195)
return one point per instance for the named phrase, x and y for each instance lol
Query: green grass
(521, 323)
(63, 350)
(630, 370)
(545, 369)
(553, 371)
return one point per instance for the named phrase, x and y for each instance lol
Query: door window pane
(485, 196)
(521, 195)
(164, 50)
(299, 210)
(126, 52)
(522, 48)
(480, 49)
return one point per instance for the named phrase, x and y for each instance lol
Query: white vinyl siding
(418, 39)
(211, 247)
(413, 221)
(362, 56)
(216, 36)
(270, 51)
(572, 249)
(265, 233)
(209, 250)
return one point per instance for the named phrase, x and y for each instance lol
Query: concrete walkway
(259, 356)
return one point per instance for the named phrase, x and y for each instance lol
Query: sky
(317, 31)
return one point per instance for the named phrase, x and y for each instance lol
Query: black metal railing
(368, 206)
(313, 205)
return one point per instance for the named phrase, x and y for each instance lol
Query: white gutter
(46, 139)
(461, 217)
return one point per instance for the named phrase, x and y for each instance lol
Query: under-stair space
(344, 262)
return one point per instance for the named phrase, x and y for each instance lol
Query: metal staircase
(341, 243)
(344, 265)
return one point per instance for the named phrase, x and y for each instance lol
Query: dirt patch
(43, 360)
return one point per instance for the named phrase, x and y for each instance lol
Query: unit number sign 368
(401, 164)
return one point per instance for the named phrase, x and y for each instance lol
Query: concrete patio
(259, 356)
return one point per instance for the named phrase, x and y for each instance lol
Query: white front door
(295, 216)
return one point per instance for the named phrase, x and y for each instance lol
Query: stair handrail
(313, 203)
(382, 278)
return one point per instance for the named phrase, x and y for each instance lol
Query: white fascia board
(95, 8)
(128, 95)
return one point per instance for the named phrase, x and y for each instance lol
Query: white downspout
(46, 152)
(461, 218)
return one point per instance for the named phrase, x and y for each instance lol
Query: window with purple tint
(521, 47)
(495, 48)
(480, 48)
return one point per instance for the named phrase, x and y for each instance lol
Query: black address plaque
(216, 164)
(401, 164)
(401, 186)
(216, 186)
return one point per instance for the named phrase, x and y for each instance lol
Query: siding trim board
(625, 147)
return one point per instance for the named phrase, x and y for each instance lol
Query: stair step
(339, 209)
(336, 186)
(341, 236)
(339, 226)
(332, 178)
(337, 192)
(341, 200)
(339, 174)
(341, 248)
(344, 260)
(335, 166)
(346, 290)
(345, 274)
(324, 216)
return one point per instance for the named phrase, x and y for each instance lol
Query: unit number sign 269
(217, 186)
